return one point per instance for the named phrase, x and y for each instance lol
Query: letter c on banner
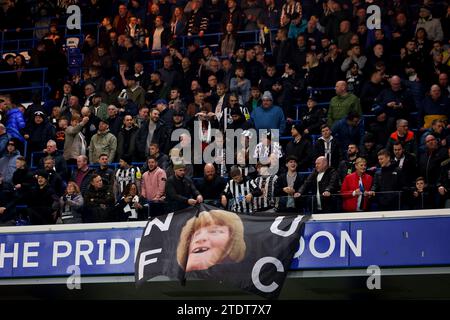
(257, 270)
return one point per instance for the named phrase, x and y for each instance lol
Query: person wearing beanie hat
(180, 190)
(8, 161)
(134, 91)
(269, 116)
(179, 166)
(267, 95)
(41, 201)
(238, 120)
(300, 148)
(432, 26)
(287, 184)
(37, 133)
(42, 173)
(165, 114)
(369, 150)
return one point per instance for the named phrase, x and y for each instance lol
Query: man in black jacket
(60, 163)
(300, 148)
(105, 171)
(7, 203)
(211, 185)
(99, 202)
(430, 161)
(55, 180)
(406, 162)
(152, 131)
(40, 201)
(321, 183)
(328, 147)
(126, 139)
(387, 183)
(286, 185)
(443, 185)
(181, 191)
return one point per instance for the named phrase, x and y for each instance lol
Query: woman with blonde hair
(356, 188)
(70, 204)
(214, 237)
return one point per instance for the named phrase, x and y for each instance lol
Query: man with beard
(153, 186)
(181, 191)
(157, 88)
(406, 162)
(110, 94)
(55, 180)
(60, 163)
(152, 131)
(347, 166)
(105, 171)
(99, 201)
(299, 148)
(98, 108)
(211, 185)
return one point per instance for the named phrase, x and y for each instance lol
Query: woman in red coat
(356, 188)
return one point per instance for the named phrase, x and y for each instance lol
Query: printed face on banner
(212, 238)
(204, 242)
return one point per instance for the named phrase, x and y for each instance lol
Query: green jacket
(340, 106)
(102, 112)
(104, 142)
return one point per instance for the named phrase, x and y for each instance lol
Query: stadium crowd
(360, 115)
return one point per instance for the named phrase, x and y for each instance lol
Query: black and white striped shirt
(267, 186)
(126, 176)
(227, 120)
(236, 193)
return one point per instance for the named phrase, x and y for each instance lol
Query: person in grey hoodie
(8, 161)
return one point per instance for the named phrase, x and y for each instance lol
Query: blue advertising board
(325, 245)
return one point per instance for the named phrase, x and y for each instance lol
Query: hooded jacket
(8, 165)
(102, 142)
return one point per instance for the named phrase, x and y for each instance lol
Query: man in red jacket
(356, 188)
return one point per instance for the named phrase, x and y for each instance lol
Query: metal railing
(25, 44)
(42, 87)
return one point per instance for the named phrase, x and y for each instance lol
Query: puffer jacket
(15, 122)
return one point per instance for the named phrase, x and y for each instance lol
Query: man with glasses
(437, 130)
